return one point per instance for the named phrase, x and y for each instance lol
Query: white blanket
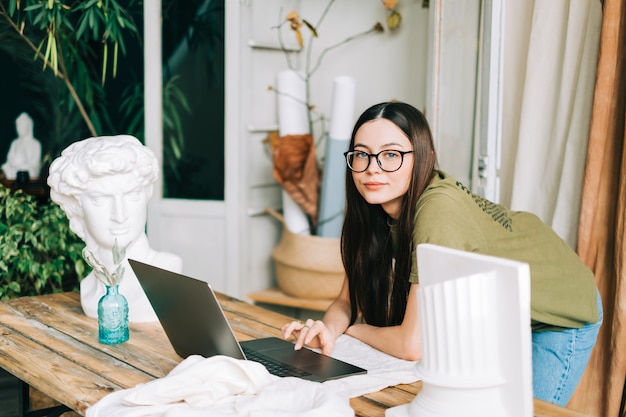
(223, 386)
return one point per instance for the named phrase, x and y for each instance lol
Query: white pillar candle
(292, 120)
(332, 198)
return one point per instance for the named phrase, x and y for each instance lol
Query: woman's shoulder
(444, 185)
(447, 200)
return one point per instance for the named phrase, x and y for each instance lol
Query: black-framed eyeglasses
(387, 160)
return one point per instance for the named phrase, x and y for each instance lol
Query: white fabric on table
(223, 386)
(382, 370)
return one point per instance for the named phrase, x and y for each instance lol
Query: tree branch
(59, 74)
(72, 91)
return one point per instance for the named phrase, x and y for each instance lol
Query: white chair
(475, 324)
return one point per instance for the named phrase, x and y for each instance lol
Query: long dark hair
(378, 289)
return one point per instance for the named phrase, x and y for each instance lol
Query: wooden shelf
(35, 187)
(277, 297)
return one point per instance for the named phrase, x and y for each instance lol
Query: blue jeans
(560, 358)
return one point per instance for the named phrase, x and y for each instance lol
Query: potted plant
(39, 254)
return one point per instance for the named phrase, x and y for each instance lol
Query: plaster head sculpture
(103, 185)
(25, 151)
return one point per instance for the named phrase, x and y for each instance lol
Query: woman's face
(375, 185)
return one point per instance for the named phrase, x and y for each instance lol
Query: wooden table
(277, 297)
(47, 342)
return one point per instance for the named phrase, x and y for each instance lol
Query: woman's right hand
(312, 333)
(322, 334)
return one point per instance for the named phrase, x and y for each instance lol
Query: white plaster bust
(103, 185)
(25, 151)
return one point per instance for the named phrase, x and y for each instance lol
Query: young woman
(396, 198)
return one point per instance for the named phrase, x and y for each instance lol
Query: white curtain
(550, 64)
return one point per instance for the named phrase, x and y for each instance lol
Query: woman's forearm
(392, 340)
(403, 341)
(337, 316)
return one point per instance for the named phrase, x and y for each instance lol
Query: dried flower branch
(394, 18)
(101, 272)
(377, 28)
(295, 23)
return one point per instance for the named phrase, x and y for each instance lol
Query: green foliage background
(40, 254)
(78, 54)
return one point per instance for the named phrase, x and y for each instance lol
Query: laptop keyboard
(274, 367)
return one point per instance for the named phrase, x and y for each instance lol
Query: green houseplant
(77, 52)
(38, 252)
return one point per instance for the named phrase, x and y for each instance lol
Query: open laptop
(195, 324)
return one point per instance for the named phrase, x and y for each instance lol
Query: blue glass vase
(113, 317)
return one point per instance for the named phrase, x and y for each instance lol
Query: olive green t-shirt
(563, 291)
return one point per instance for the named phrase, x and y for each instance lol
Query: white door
(197, 230)
(464, 93)
(488, 133)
